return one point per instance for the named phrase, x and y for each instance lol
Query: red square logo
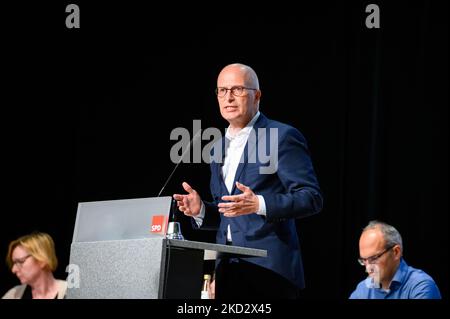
(159, 223)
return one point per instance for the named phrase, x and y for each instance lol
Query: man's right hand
(191, 203)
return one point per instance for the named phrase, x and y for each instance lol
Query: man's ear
(397, 251)
(258, 95)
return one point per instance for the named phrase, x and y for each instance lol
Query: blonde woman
(33, 260)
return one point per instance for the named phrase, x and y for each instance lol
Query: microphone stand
(173, 228)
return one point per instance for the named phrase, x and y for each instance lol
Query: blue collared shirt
(408, 283)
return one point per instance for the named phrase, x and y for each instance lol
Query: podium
(120, 250)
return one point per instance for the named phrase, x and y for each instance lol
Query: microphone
(173, 206)
(192, 141)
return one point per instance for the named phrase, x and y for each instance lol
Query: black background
(87, 115)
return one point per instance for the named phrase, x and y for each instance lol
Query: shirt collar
(244, 131)
(397, 280)
(400, 274)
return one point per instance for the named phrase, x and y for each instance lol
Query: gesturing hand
(190, 203)
(242, 204)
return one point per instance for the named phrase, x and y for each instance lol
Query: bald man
(381, 252)
(257, 196)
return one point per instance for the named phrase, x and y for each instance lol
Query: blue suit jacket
(292, 191)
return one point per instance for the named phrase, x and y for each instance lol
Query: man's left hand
(242, 204)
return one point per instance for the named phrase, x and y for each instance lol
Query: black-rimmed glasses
(20, 261)
(373, 259)
(235, 90)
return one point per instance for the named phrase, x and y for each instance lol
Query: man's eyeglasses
(235, 90)
(373, 259)
(20, 261)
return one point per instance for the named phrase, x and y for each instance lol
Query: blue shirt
(408, 283)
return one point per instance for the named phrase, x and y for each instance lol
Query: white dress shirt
(233, 155)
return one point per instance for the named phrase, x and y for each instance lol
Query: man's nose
(370, 268)
(229, 95)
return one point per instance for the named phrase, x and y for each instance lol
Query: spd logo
(159, 224)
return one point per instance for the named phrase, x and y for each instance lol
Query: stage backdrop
(88, 115)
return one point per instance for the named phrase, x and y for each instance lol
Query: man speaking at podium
(256, 197)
